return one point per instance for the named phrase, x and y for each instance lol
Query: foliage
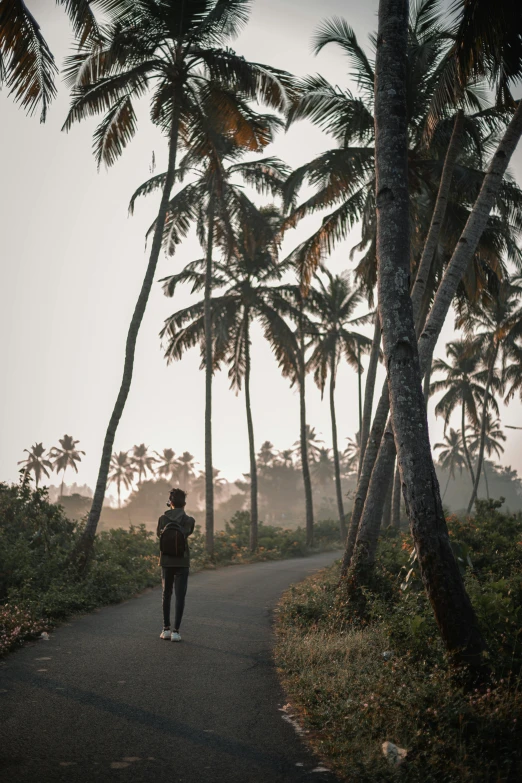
(358, 685)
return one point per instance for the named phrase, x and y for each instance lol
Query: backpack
(172, 540)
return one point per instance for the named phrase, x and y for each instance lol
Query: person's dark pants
(174, 577)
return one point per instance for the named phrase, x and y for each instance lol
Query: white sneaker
(165, 634)
(175, 637)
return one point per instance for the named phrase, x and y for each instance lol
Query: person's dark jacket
(187, 523)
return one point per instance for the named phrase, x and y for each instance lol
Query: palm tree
(246, 292)
(186, 469)
(199, 485)
(332, 307)
(451, 455)
(493, 329)
(351, 454)
(463, 385)
(323, 469)
(142, 461)
(28, 68)
(213, 201)
(65, 456)
(181, 50)
(492, 442)
(122, 472)
(36, 463)
(167, 464)
(512, 373)
(266, 454)
(313, 443)
(287, 457)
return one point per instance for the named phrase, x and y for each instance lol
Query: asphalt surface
(105, 699)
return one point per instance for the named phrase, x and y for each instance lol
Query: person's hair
(178, 497)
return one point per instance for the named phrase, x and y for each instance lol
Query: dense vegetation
(40, 585)
(356, 683)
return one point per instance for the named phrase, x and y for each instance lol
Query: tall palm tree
(180, 50)
(245, 290)
(28, 68)
(36, 462)
(493, 439)
(451, 455)
(199, 485)
(214, 201)
(186, 469)
(122, 472)
(142, 461)
(66, 455)
(332, 306)
(493, 328)
(167, 464)
(463, 385)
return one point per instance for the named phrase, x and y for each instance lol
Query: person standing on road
(174, 527)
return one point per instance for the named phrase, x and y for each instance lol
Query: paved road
(106, 700)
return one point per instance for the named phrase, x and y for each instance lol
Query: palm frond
(337, 30)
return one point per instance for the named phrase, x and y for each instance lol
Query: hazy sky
(73, 262)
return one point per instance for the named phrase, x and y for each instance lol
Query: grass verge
(355, 686)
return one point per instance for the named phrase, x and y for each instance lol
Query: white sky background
(73, 263)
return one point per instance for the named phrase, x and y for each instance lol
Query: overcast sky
(73, 263)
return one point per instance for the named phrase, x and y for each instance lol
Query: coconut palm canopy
(343, 177)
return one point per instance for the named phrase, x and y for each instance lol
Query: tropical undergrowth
(40, 586)
(356, 684)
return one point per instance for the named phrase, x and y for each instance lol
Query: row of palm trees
(442, 228)
(40, 462)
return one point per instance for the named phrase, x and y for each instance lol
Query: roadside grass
(39, 587)
(354, 685)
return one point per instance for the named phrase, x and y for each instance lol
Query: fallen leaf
(119, 764)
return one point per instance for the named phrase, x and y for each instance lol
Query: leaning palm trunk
(440, 573)
(137, 317)
(305, 465)
(396, 500)
(251, 444)
(370, 455)
(478, 467)
(369, 389)
(419, 295)
(209, 470)
(460, 260)
(465, 443)
(387, 513)
(337, 467)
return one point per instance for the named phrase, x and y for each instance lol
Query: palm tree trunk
(370, 455)
(369, 389)
(305, 465)
(137, 317)
(359, 385)
(478, 467)
(209, 469)
(396, 502)
(387, 512)
(462, 255)
(465, 443)
(337, 468)
(119, 492)
(485, 478)
(440, 574)
(427, 381)
(446, 487)
(437, 218)
(470, 237)
(251, 445)
(61, 486)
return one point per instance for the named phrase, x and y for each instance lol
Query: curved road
(106, 700)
